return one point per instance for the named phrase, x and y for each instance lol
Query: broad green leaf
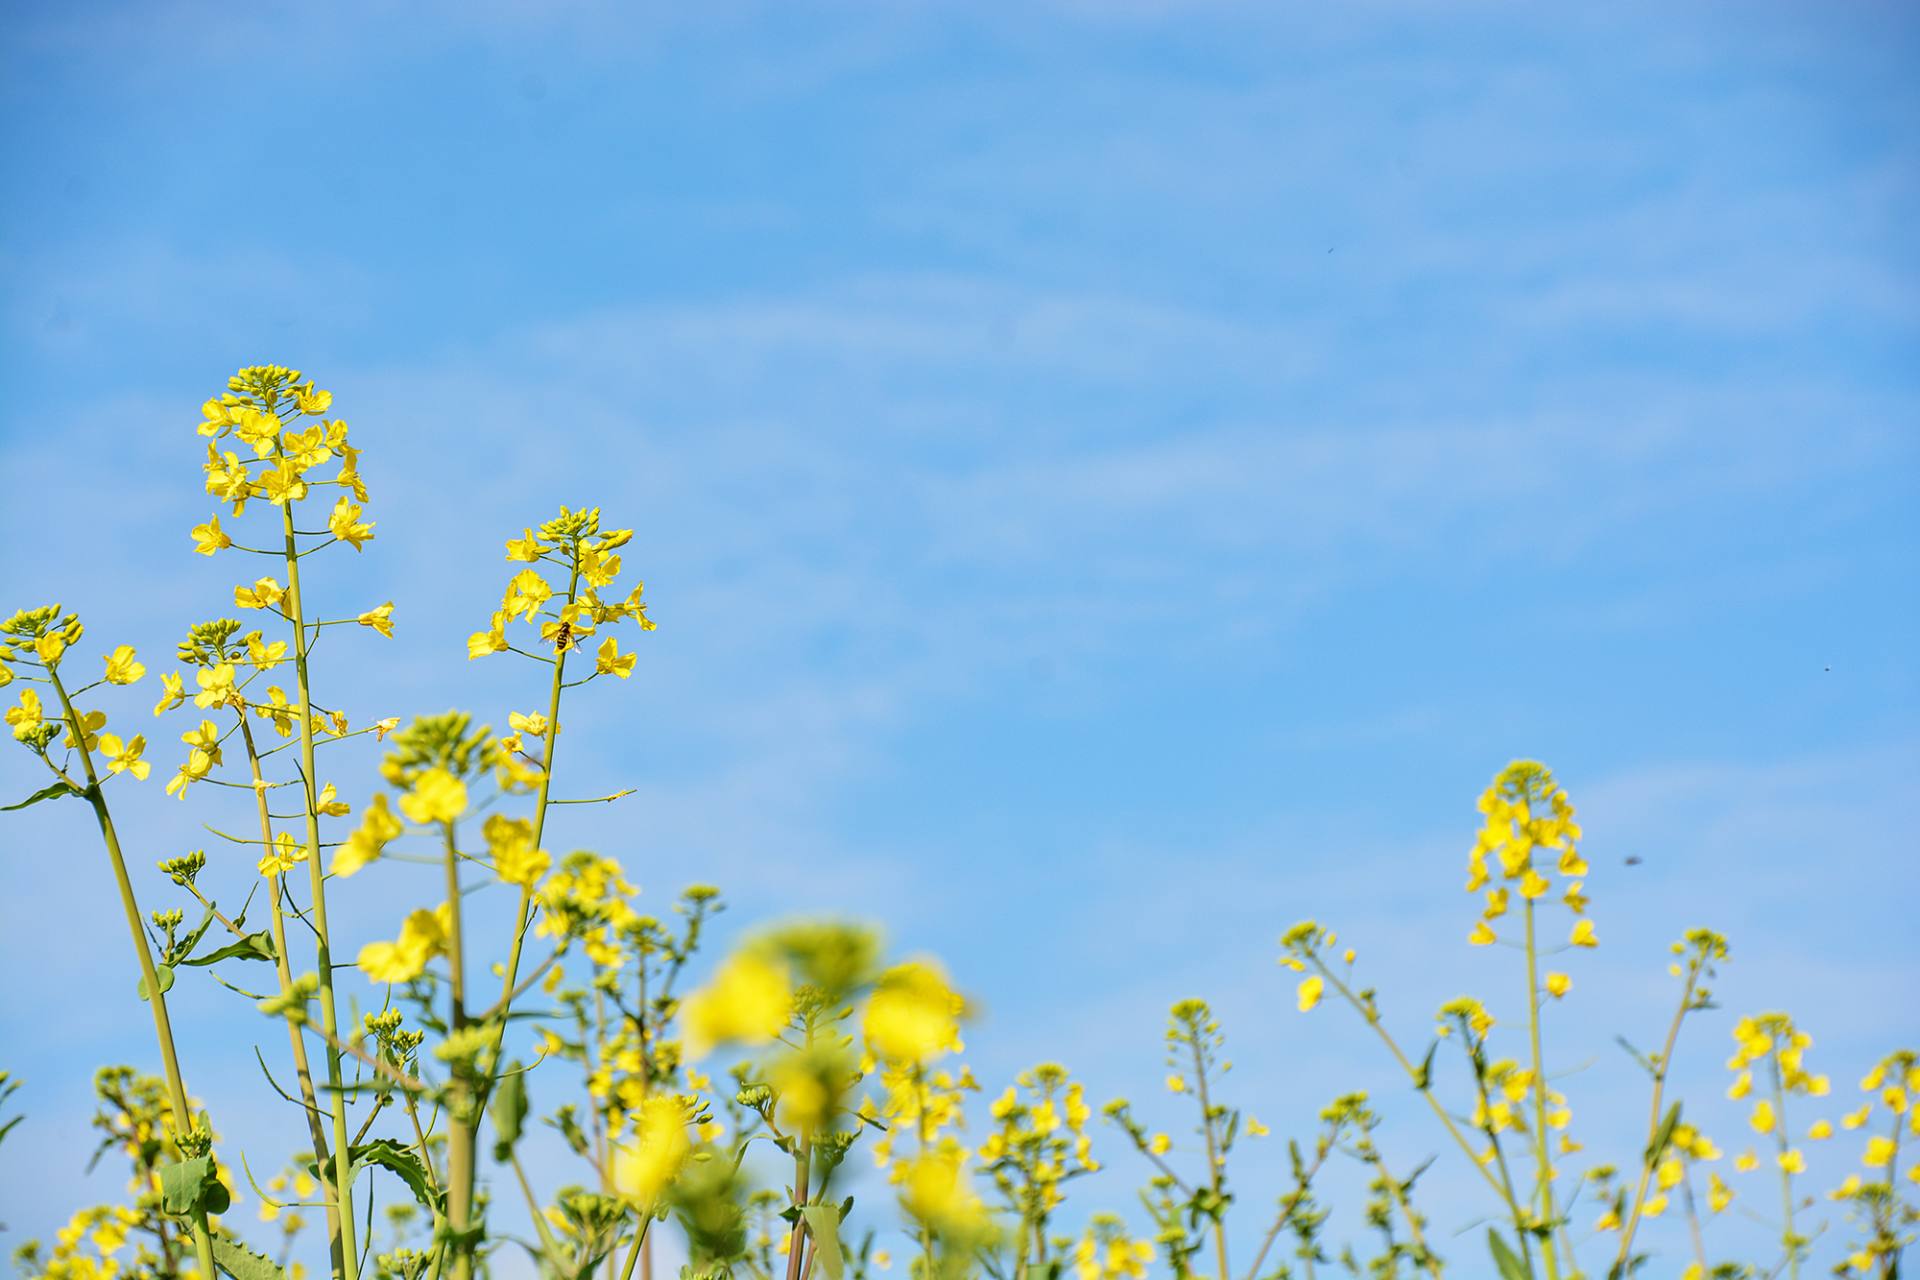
(164, 972)
(243, 1263)
(824, 1221)
(1511, 1267)
(187, 1185)
(45, 793)
(255, 946)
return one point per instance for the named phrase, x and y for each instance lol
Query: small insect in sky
(1633, 860)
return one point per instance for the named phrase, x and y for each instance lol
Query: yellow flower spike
(510, 844)
(377, 827)
(646, 1164)
(263, 656)
(747, 1002)
(379, 618)
(216, 686)
(609, 661)
(259, 429)
(526, 549)
(282, 485)
(526, 592)
(282, 856)
(312, 403)
(1583, 935)
(437, 796)
(26, 717)
(122, 668)
(263, 594)
(173, 692)
(1310, 991)
(422, 937)
(346, 525)
(210, 537)
(492, 640)
(913, 1014)
(125, 757)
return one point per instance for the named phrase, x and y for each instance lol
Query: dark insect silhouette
(1632, 860)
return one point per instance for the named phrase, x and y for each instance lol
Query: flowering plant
(732, 1107)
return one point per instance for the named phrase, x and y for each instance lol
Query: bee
(563, 638)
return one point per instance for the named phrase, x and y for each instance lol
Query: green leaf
(243, 1263)
(1511, 1268)
(1663, 1135)
(509, 1111)
(404, 1164)
(183, 947)
(255, 946)
(1423, 1078)
(164, 972)
(824, 1221)
(53, 792)
(187, 1185)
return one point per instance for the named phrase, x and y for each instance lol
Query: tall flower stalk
(39, 639)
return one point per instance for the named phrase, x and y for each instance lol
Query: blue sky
(1113, 479)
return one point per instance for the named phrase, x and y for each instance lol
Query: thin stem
(1660, 1068)
(1547, 1213)
(1215, 1164)
(294, 604)
(462, 1116)
(303, 1073)
(149, 972)
(1787, 1237)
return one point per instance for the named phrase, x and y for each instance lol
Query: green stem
(1660, 1069)
(462, 1116)
(329, 1018)
(302, 1070)
(1215, 1171)
(1787, 1237)
(541, 802)
(1547, 1213)
(156, 998)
